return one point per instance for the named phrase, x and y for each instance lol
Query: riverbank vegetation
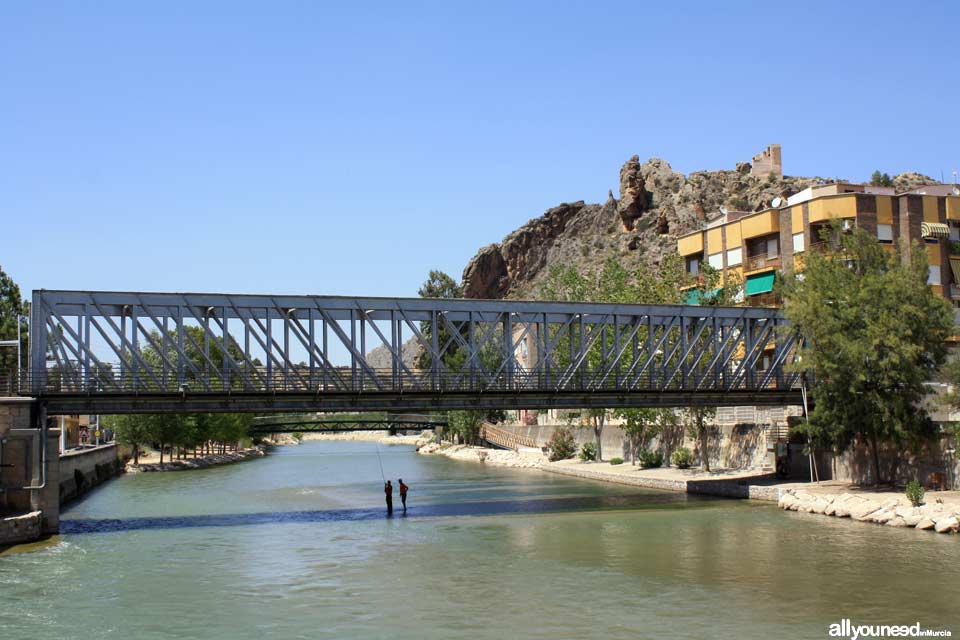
(200, 434)
(875, 335)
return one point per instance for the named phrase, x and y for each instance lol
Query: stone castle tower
(768, 161)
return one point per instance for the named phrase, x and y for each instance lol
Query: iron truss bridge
(311, 423)
(116, 352)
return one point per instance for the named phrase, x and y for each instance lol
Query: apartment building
(755, 245)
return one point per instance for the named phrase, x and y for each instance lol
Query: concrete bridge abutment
(29, 472)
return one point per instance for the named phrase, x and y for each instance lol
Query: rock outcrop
(656, 205)
(381, 358)
(633, 194)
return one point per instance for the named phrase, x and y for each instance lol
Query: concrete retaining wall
(84, 469)
(741, 446)
(753, 487)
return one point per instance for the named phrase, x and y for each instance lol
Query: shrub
(616, 460)
(562, 445)
(915, 493)
(588, 452)
(682, 458)
(651, 459)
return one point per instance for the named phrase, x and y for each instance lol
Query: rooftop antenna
(776, 202)
(723, 210)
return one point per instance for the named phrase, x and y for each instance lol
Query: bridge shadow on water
(455, 509)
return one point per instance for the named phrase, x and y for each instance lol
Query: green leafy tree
(166, 430)
(878, 179)
(14, 312)
(874, 335)
(697, 422)
(640, 427)
(466, 424)
(438, 285)
(130, 430)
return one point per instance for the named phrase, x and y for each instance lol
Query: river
(297, 545)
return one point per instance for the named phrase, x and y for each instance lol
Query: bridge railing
(74, 380)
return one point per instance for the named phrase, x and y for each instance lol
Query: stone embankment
(197, 463)
(495, 457)
(889, 511)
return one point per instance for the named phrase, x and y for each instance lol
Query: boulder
(883, 516)
(950, 524)
(925, 523)
(864, 510)
(786, 500)
(897, 521)
(820, 505)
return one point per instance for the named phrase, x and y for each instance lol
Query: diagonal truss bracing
(199, 347)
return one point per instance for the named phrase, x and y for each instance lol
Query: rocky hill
(656, 205)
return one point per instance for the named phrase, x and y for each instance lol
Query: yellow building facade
(755, 245)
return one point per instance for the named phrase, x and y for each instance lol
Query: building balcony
(763, 300)
(762, 261)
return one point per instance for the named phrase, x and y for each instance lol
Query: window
(734, 257)
(954, 233)
(773, 247)
(885, 233)
(693, 265)
(934, 277)
(798, 242)
(716, 260)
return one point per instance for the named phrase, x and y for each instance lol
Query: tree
(640, 426)
(696, 420)
(466, 424)
(165, 430)
(14, 312)
(878, 179)
(130, 430)
(874, 333)
(438, 285)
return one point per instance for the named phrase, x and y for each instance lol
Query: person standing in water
(403, 494)
(388, 491)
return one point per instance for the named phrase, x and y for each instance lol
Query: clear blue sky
(290, 147)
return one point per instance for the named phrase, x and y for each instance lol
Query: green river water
(297, 545)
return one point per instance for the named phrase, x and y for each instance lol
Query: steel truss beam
(115, 352)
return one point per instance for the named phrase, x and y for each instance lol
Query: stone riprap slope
(890, 511)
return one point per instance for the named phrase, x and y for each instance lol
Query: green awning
(695, 297)
(760, 283)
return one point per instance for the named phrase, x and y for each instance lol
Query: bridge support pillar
(29, 472)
